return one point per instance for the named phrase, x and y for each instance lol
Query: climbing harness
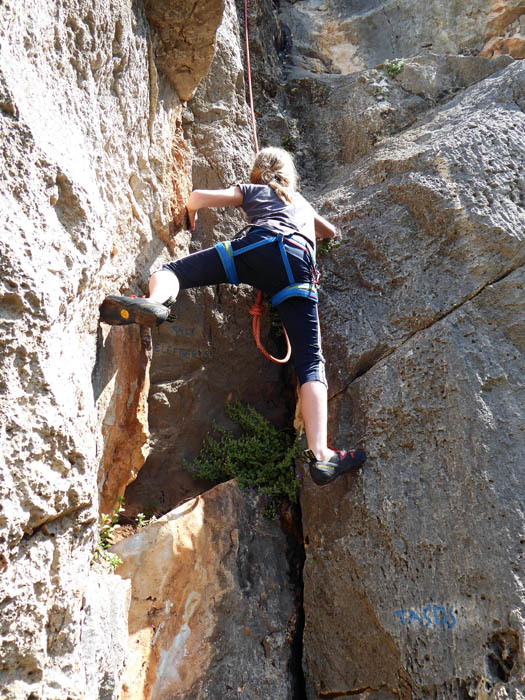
(227, 255)
(293, 289)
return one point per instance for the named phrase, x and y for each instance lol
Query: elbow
(326, 231)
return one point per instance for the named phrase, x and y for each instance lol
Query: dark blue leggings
(263, 269)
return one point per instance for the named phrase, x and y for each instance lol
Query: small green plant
(143, 521)
(326, 245)
(108, 525)
(112, 559)
(289, 142)
(393, 67)
(260, 458)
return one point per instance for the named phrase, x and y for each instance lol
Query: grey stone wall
(89, 144)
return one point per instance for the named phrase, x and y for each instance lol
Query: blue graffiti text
(437, 615)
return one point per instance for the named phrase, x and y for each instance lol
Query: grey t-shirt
(264, 208)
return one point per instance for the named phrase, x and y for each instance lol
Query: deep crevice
(295, 555)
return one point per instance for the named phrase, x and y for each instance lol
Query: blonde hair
(275, 167)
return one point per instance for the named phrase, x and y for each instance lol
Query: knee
(311, 372)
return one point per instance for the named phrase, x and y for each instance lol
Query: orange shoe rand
(121, 311)
(324, 472)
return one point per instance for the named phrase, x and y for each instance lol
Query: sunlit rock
(212, 610)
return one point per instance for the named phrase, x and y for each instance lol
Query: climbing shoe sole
(324, 472)
(121, 311)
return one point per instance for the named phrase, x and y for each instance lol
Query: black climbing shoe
(340, 463)
(120, 311)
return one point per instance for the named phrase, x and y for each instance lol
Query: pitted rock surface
(408, 554)
(413, 579)
(421, 173)
(420, 555)
(212, 611)
(427, 221)
(343, 37)
(92, 165)
(185, 34)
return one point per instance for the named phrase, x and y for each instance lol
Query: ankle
(158, 298)
(323, 454)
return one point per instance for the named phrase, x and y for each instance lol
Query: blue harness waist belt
(294, 289)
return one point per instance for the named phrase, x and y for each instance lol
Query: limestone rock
(342, 118)
(341, 37)
(428, 221)
(412, 580)
(423, 310)
(187, 37)
(125, 420)
(104, 634)
(91, 136)
(414, 565)
(212, 610)
(62, 627)
(498, 46)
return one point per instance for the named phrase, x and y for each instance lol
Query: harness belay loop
(306, 290)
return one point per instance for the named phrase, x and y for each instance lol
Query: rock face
(428, 220)
(423, 552)
(212, 614)
(93, 165)
(342, 37)
(103, 640)
(354, 112)
(185, 40)
(125, 420)
(414, 567)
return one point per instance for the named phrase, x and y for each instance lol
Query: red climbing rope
(256, 312)
(257, 308)
(249, 71)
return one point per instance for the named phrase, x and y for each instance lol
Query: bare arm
(231, 197)
(323, 228)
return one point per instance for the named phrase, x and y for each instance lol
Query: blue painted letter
(401, 614)
(414, 616)
(426, 610)
(437, 619)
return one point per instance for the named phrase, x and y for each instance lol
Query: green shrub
(289, 143)
(393, 67)
(260, 458)
(326, 245)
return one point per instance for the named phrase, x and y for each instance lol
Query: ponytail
(275, 167)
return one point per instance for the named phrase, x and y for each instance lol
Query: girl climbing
(277, 256)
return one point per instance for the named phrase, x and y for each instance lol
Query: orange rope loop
(256, 312)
